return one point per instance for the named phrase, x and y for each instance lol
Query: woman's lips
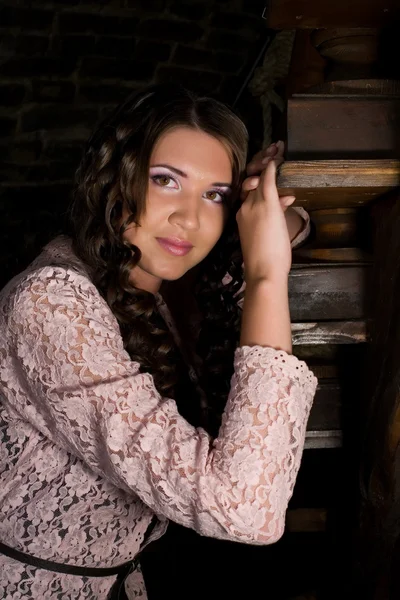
(175, 246)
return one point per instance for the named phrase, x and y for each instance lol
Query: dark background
(65, 63)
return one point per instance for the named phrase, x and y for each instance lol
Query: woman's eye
(215, 196)
(163, 180)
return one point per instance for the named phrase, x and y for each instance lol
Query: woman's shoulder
(57, 273)
(59, 254)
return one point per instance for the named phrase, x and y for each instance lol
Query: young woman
(96, 377)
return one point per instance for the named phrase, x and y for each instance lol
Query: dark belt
(121, 570)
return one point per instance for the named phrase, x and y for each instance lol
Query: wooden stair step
(326, 410)
(330, 256)
(343, 126)
(329, 361)
(329, 332)
(334, 292)
(324, 184)
(317, 440)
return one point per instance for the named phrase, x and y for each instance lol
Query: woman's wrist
(270, 284)
(266, 317)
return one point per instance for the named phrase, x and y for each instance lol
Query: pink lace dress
(90, 451)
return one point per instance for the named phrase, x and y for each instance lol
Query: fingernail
(290, 199)
(265, 160)
(280, 145)
(254, 181)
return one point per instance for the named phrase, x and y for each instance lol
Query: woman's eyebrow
(218, 184)
(174, 169)
(183, 174)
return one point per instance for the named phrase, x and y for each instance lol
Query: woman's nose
(187, 213)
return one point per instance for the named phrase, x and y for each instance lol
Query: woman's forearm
(266, 317)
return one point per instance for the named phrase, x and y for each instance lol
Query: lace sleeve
(87, 396)
(305, 230)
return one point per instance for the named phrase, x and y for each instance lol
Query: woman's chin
(172, 274)
(167, 272)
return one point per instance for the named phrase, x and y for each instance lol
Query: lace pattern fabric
(90, 450)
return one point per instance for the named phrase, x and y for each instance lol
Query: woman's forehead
(194, 152)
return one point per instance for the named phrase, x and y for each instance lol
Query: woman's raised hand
(259, 163)
(263, 231)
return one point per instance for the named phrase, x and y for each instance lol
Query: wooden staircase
(342, 133)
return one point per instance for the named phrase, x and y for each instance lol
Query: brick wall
(65, 63)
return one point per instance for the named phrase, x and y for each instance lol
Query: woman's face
(189, 179)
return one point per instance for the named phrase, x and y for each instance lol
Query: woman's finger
(255, 166)
(270, 191)
(250, 183)
(280, 148)
(286, 201)
(277, 159)
(260, 159)
(272, 150)
(276, 154)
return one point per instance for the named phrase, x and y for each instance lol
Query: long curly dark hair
(114, 173)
